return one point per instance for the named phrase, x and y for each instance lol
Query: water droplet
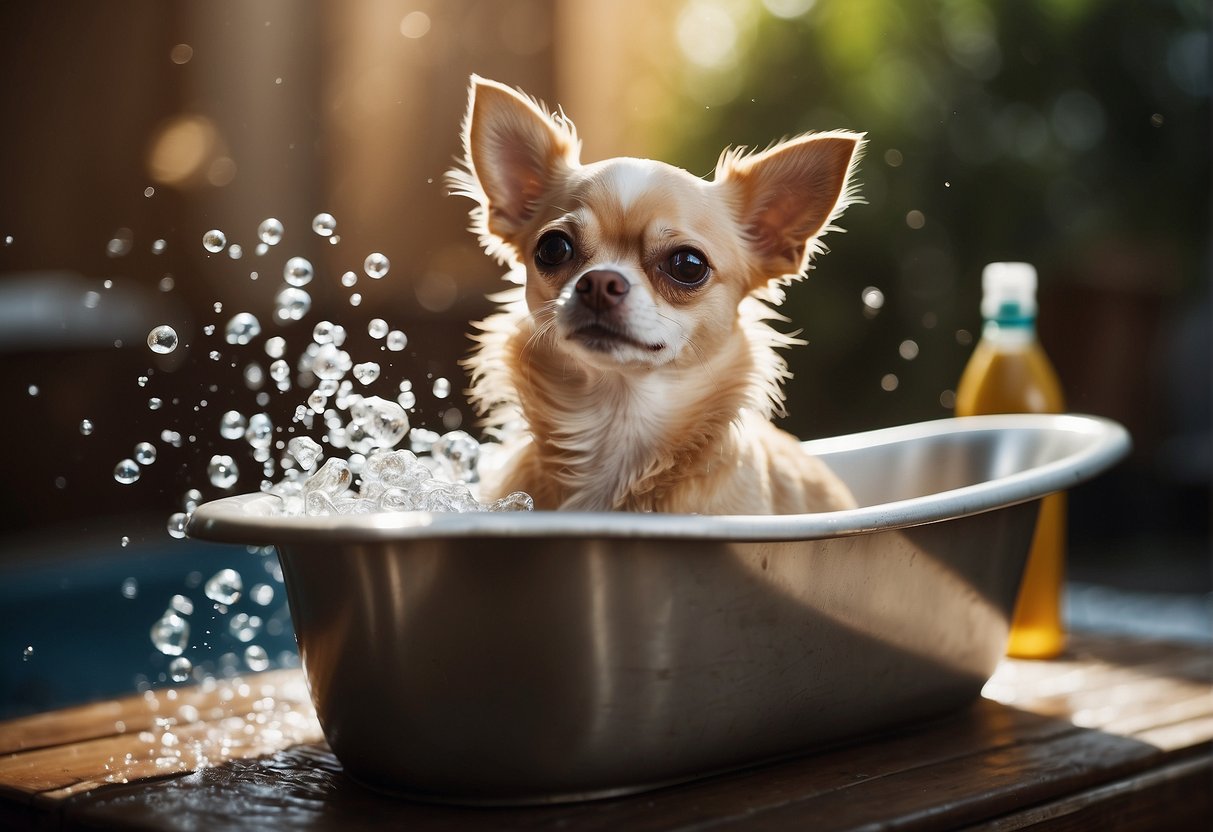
(280, 371)
(888, 382)
(171, 634)
(214, 241)
(215, 356)
(232, 424)
(130, 589)
(179, 669)
(322, 333)
(155, 403)
(366, 373)
(291, 304)
(244, 627)
(222, 471)
(349, 279)
(91, 300)
(270, 232)
(8, 239)
(908, 349)
(126, 472)
(298, 271)
(407, 399)
(256, 658)
(275, 347)
(181, 604)
(947, 399)
(120, 244)
(145, 453)
(224, 586)
(176, 524)
(330, 362)
(170, 437)
(396, 340)
(377, 328)
(158, 246)
(442, 388)
(86, 427)
(27, 653)
(873, 298)
(324, 224)
(190, 500)
(305, 451)
(262, 594)
(376, 265)
(162, 339)
(260, 431)
(356, 299)
(124, 542)
(241, 329)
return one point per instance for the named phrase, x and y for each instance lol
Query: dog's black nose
(601, 289)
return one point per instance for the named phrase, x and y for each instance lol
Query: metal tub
(516, 658)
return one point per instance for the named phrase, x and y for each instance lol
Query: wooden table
(1114, 735)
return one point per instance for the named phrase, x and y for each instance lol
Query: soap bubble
(306, 451)
(224, 587)
(873, 300)
(214, 241)
(171, 634)
(324, 224)
(298, 271)
(376, 265)
(244, 627)
(366, 373)
(162, 339)
(145, 453)
(457, 454)
(270, 232)
(260, 430)
(242, 328)
(291, 304)
(179, 669)
(256, 658)
(222, 471)
(232, 424)
(126, 472)
(176, 524)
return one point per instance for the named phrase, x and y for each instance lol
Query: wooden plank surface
(1114, 723)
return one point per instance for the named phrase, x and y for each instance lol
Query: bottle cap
(1008, 293)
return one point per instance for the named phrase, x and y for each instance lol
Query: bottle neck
(1010, 332)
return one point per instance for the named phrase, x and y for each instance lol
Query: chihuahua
(634, 369)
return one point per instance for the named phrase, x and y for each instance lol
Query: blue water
(91, 642)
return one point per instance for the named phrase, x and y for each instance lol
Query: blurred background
(1074, 134)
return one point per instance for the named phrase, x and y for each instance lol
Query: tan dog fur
(661, 400)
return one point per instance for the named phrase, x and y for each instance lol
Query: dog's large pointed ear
(514, 151)
(786, 197)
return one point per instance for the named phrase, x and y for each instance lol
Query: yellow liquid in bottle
(1010, 373)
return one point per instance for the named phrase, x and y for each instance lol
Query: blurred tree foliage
(1039, 130)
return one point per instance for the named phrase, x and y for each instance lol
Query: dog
(634, 367)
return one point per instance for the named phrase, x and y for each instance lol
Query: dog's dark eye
(687, 266)
(554, 249)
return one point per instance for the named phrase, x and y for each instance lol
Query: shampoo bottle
(1010, 373)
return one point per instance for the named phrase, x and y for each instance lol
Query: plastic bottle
(1010, 373)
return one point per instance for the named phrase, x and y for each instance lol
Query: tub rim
(245, 518)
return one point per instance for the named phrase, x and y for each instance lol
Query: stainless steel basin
(515, 658)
